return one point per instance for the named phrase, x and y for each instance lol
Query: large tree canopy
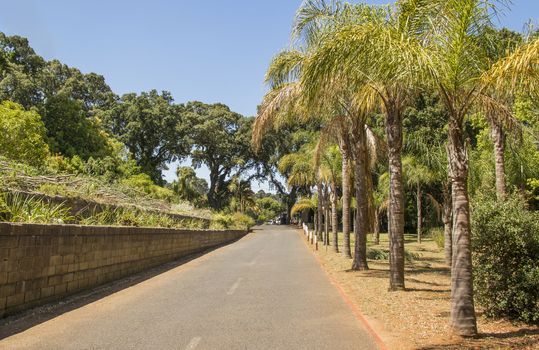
(221, 141)
(153, 129)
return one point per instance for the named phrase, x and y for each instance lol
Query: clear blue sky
(207, 50)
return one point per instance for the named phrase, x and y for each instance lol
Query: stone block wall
(43, 263)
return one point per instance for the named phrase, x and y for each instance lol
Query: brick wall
(43, 263)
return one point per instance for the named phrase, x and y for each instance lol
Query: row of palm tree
(348, 61)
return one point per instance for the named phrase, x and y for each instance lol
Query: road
(265, 291)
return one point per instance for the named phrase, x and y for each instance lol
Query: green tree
(153, 129)
(71, 133)
(189, 187)
(22, 134)
(221, 141)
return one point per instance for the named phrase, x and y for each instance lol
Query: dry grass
(418, 318)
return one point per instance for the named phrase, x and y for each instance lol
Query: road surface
(265, 291)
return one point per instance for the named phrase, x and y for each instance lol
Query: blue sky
(212, 50)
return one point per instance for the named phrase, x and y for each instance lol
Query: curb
(359, 316)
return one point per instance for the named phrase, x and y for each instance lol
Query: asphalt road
(265, 291)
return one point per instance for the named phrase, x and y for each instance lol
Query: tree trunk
(419, 214)
(498, 138)
(360, 181)
(345, 152)
(463, 319)
(448, 224)
(326, 225)
(320, 226)
(396, 200)
(334, 218)
(376, 228)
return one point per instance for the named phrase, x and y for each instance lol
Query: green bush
(505, 246)
(437, 235)
(22, 134)
(382, 254)
(236, 221)
(144, 183)
(19, 208)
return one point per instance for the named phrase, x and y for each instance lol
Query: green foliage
(268, 208)
(19, 208)
(506, 258)
(222, 142)
(153, 129)
(71, 133)
(382, 254)
(144, 183)
(22, 134)
(238, 221)
(189, 187)
(437, 235)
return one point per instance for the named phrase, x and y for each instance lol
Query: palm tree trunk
(362, 218)
(334, 218)
(326, 225)
(498, 138)
(396, 200)
(345, 152)
(448, 224)
(463, 319)
(376, 228)
(320, 223)
(419, 214)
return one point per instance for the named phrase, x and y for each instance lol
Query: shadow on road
(20, 322)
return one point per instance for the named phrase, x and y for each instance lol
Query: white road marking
(253, 261)
(193, 343)
(234, 287)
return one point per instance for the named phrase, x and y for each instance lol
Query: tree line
(75, 120)
(417, 110)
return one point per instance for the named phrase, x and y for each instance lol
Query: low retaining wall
(43, 263)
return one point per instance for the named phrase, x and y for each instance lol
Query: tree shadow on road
(20, 322)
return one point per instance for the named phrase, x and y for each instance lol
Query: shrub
(437, 235)
(242, 221)
(22, 134)
(18, 208)
(382, 254)
(505, 246)
(144, 183)
(238, 221)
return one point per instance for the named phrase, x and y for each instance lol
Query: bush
(19, 208)
(22, 134)
(144, 183)
(505, 246)
(437, 235)
(237, 221)
(382, 254)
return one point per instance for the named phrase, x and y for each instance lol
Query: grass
(418, 318)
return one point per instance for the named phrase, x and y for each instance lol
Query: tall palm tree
(377, 56)
(418, 175)
(463, 72)
(329, 160)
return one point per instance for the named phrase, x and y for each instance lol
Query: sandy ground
(418, 318)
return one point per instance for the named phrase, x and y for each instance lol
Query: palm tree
(188, 186)
(377, 56)
(243, 195)
(417, 175)
(330, 168)
(463, 72)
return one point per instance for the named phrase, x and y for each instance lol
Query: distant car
(270, 222)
